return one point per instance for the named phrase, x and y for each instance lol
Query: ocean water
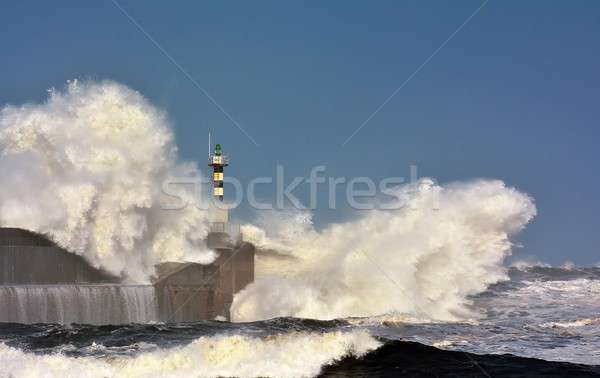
(542, 322)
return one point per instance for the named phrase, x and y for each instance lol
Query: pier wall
(42, 282)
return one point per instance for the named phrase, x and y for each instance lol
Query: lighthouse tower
(220, 216)
(218, 161)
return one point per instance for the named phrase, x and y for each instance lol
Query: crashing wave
(87, 167)
(424, 260)
(285, 355)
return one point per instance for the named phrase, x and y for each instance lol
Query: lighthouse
(220, 215)
(218, 161)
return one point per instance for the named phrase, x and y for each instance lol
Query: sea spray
(425, 259)
(86, 168)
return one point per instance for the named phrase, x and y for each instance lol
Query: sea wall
(28, 258)
(41, 282)
(190, 292)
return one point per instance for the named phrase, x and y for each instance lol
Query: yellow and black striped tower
(217, 160)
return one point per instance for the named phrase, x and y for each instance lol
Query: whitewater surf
(507, 341)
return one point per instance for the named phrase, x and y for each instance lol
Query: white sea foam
(563, 289)
(86, 167)
(288, 355)
(450, 343)
(390, 320)
(424, 260)
(572, 324)
(529, 263)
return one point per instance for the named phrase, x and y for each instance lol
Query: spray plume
(86, 168)
(423, 260)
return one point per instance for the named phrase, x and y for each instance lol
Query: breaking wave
(285, 355)
(528, 264)
(425, 259)
(86, 168)
(584, 288)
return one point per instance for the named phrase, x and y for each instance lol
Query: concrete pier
(38, 277)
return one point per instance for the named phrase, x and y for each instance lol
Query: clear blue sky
(514, 95)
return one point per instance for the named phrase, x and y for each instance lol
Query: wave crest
(286, 355)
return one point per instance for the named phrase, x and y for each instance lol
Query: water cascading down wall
(43, 283)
